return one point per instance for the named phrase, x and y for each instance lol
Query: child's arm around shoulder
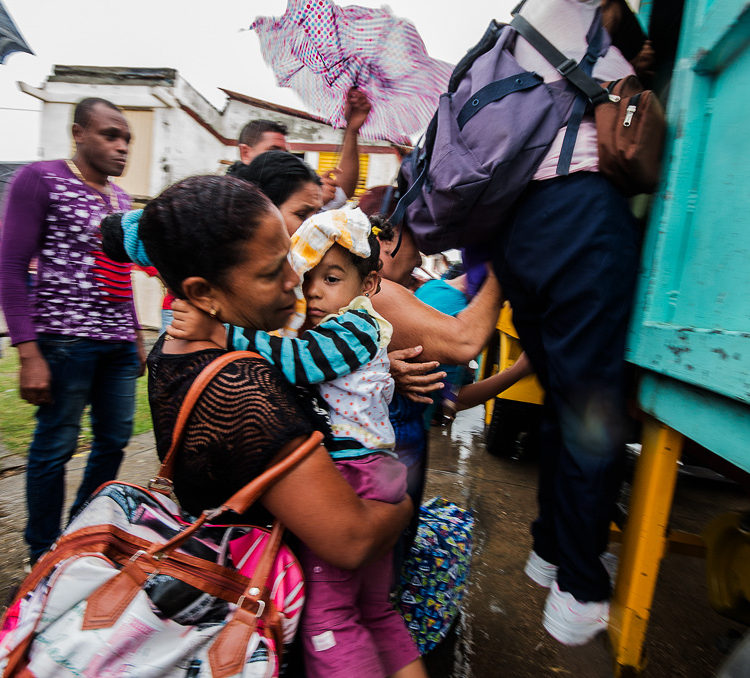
(192, 324)
(338, 346)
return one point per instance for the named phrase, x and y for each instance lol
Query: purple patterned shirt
(77, 291)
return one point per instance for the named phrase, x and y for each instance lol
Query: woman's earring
(367, 294)
(212, 312)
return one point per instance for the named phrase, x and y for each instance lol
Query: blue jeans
(83, 371)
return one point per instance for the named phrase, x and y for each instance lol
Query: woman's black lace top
(243, 418)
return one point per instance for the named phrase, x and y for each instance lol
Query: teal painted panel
(645, 8)
(691, 321)
(717, 423)
(709, 359)
(715, 272)
(693, 294)
(719, 34)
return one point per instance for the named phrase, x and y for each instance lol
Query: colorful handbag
(135, 587)
(436, 572)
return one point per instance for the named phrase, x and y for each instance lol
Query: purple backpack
(492, 128)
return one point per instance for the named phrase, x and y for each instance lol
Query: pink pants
(349, 627)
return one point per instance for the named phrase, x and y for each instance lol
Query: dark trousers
(567, 262)
(83, 371)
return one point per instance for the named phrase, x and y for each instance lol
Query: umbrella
(321, 50)
(11, 39)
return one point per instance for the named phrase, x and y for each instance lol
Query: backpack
(491, 131)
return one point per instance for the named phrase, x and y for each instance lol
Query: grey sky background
(202, 39)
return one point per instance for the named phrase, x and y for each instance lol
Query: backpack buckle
(566, 67)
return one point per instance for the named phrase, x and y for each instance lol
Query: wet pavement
(500, 633)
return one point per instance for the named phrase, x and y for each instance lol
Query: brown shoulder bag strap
(162, 483)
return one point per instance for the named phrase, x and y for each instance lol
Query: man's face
(399, 268)
(103, 142)
(269, 141)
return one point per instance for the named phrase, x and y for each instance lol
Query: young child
(348, 626)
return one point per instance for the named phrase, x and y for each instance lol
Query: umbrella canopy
(11, 39)
(321, 50)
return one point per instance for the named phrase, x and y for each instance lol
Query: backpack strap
(420, 159)
(594, 38)
(407, 199)
(494, 92)
(578, 74)
(385, 203)
(566, 67)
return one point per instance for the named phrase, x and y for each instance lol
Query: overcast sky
(202, 39)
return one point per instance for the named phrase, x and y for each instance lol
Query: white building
(178, 133)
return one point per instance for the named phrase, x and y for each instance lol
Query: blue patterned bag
(436, 572)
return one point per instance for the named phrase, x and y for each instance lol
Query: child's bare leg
(414, 670)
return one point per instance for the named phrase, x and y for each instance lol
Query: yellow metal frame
(526, 390)
(644, 544)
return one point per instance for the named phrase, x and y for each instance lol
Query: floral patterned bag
(436, 572)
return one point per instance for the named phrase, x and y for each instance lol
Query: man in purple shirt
(74, 324)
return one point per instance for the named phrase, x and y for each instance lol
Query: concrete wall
(55, 140)
(237, 114)
(181, 148)
(383, 169)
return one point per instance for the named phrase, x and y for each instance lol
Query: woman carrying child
(221, 244)
(348, 625)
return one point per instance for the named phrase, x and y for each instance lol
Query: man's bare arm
(447, 339)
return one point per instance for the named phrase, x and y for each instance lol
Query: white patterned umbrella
(321, 50)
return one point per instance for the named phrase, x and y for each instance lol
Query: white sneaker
(540, 571)
(572, 622)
